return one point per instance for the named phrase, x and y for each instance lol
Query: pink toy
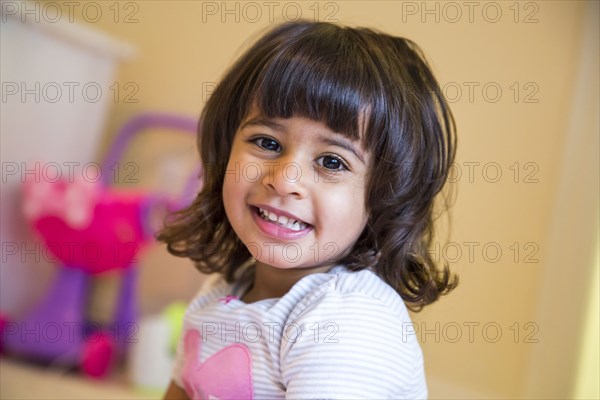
(85, 225)
(91, 229)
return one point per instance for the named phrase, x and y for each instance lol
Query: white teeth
(282, 220)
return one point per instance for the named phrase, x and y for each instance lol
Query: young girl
(323, 149)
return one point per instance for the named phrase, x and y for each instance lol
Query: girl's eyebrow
(343, 144)
(260, 121)
(333, 141)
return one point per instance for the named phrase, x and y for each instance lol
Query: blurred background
(522, 81)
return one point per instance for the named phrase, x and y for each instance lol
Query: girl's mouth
(279, 226)
(281, 220)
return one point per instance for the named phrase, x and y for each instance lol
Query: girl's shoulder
(361, 327)
(340, 288)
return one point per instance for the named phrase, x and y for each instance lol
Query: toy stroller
(90, 229)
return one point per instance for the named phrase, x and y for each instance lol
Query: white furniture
(56, 81)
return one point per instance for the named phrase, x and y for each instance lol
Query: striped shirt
(334, 335)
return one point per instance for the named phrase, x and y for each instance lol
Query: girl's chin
(303, 268)
(279, 264)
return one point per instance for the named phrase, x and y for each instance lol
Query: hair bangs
(322, 80)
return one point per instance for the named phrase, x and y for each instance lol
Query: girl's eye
(267, 144)
(332, 163)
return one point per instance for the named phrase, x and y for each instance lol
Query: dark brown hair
(335, 75)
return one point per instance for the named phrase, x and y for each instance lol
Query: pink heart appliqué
(227, 374)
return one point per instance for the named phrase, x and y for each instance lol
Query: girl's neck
(271, 282)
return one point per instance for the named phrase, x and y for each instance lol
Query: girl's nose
(285, 178)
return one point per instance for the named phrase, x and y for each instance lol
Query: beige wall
(531, 53)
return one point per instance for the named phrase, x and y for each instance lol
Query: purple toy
(91, 229)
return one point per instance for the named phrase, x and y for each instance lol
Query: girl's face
(294, 191)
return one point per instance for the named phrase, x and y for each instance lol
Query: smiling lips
(282, 220)
(283, 227)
